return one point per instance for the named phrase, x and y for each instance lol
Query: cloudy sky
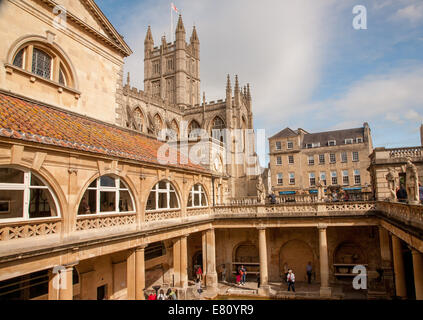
(306, 64)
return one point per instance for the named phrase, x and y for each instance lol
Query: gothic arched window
(138, 120)
(194, 129)
(217, 129)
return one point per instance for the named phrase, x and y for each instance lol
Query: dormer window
(290, 145)
(349, 141)
(359, 140)
(332, 143)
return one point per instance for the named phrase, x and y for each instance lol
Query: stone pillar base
(325, 292)
(264, 290)
(211, 280)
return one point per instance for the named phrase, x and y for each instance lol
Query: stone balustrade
(30, 229)
(410, 215)
(104, 221)
(412, 152)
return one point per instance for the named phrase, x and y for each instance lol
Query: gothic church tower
(172, 71)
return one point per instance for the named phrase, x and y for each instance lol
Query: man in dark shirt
(401, 194)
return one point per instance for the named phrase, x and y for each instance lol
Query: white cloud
(413, 13)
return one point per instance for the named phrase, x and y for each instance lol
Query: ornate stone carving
(261, 191)
(392, 179)
(320, 191)
(412, 182)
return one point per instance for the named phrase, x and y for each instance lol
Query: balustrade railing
(104, 221)
(30, 229)
(412, 152)
(411, 215)
(162, 215)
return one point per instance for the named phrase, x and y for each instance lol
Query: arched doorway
(295, 255)
(247, 254)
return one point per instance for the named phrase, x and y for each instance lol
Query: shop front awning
(282, 193)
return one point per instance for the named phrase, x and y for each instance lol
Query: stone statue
(412, 182)
(261, 191)
(392, 178)
(320, 191)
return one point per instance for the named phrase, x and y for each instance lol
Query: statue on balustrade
(261, 191)
(392, 178)
(412, 182)
(320, 191)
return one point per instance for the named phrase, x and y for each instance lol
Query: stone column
(386, 260)
(60, 286)
(418, 273)
(264, 278)
(325, 290)
(139, 273)
(177, 262)
(184, 262)
(204, 255)
(211, 259)
(130, 275)
(400, 287)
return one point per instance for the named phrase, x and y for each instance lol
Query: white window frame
(289, 159)
(323, 175)
(292, 178)
(332, 143)
(354, 159)
(334, 158)
(347, 180)
(279, 163)
(359, 140)
(312, 176)
(279, 176)
(344, 160)
(349, 141)
(26, 188)
(278, 145)
(290, 145)
(320, 158)
(334, 175)
(193, 192)
(117, 188)
(167, 191)
(355, 177)
(311, 160)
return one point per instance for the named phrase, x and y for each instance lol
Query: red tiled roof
(28, 121)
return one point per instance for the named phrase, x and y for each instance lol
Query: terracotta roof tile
(23, 120)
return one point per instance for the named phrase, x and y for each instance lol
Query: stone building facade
(298, 160)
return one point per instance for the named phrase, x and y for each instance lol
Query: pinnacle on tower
(228, 84)
(180, 27)
(248, 92)
(149, 36)
(194, 36)
(236, 84)
(128, 79)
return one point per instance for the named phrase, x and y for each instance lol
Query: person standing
(199, 273)
(285, 271)
(291, 280)
(309, 270)
(161, 295)
(244, 275)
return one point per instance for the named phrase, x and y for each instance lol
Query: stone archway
(296, 254)
(197, 260)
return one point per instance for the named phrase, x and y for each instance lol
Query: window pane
(93, 184)
(18, 61)
(9, 175)
(190, 199)
(88, 203)
(197, 187)
(41, 204)
(41, 63)
(162, 185)
(107, 201)
(61, 77)
(162, 200)
(196, 200)
(173, 201)
(203, 199)
(12, 204)
(151, 202)
(125, 201)
(107, 181)
(36, 182)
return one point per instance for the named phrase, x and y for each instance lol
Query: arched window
(23, 195)
(197, 197)
(175, 128)
(138, 120)
(158, 123)
(217, 129)
(194, 129)
(44, 61)
(106, 194)
(162, 196)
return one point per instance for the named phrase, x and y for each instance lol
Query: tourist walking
(199, 273)
(223, 273)
(161, 295)
(309, 270)
(243, 275)
(291, 280)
